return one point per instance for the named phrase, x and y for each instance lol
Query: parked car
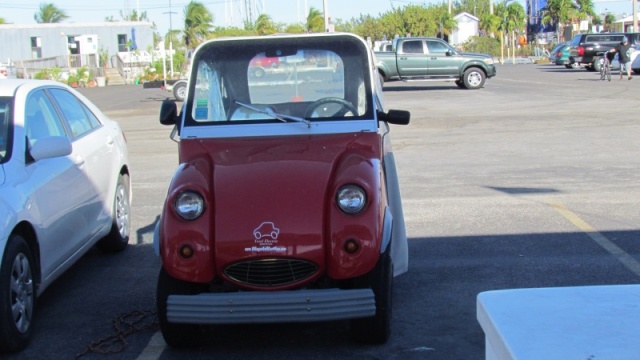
(64, 187)
(560, 55)
(285, 206)
(635, 59)
(586, 49)
(433, 59)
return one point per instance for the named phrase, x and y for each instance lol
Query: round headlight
(351, 199)
(189, 205)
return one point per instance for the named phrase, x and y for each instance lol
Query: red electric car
(285, 205)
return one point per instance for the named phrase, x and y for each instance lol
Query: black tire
(636, 71)
(17, 291)
(377, 329)
(596, 64)
(258, 72)
(177, 335)
(180, 91)
(568, 66)
(590, 68)
(460, 84)
(118, 237)
(473, 78)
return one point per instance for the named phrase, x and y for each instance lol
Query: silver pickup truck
(433, 59)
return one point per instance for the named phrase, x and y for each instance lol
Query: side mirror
(50, 147)
(169, 113)
(396, 117)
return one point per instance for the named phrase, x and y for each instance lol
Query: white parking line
(154, 348)
(627, 260)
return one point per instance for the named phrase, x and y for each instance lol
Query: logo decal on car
(265, 237)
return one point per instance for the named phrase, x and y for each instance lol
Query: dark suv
(586, 47)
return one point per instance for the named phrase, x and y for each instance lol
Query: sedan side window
(80, 119)
(41, 119)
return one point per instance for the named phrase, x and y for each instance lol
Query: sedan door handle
(109, 140)
(79, 161)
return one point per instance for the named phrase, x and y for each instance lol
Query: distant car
(635, 59)
(260, 64)
(64, 187)
(560, 56)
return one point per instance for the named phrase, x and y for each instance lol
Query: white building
(467, 27)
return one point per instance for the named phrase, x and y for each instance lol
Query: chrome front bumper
(271, 307)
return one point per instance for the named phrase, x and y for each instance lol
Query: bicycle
(605, 66)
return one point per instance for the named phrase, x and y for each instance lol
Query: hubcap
(474, 79)
(21, 293)
(122, 211)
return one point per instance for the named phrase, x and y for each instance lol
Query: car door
(60, 190)
(94, 153)
(411, 59)
(442, 59)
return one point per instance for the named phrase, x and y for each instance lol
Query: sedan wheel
(17, 295)
(118, 238)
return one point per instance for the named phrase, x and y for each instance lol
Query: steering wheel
(345, 107)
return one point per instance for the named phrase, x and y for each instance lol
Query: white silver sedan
(64, 187)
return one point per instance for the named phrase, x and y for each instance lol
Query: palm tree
(49, 13)
(315, 21)
(490, 23)
(446, 22)
(198, 22)
(264, 25)
(515, 17)
(609, 19)
(557, 13)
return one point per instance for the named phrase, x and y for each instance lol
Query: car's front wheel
(473, 78)
(17, 295)
(118, 237)
(377, 329)
(177, 335)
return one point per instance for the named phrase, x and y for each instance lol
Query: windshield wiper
(269, 112)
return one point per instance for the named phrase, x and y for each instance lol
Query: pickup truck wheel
(636, 71)
(180, 91)
(460, 84)
(596, 64)
(473, 78)
(589, 68)
(118, 237)
(17, 295)
(177, 335)
(377, 329)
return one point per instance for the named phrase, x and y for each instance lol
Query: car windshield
(279, 84)
(5, 121)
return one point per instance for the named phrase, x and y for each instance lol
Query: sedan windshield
(5, 121)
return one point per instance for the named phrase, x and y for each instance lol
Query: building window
(122, 43)
(36, 47)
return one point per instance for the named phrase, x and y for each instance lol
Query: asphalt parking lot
(532, 181)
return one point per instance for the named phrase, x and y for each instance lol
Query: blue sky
(228, 12)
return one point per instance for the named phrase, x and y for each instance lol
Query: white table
(566, 323)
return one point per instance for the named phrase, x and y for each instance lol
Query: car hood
(276, 193)
(476, 55)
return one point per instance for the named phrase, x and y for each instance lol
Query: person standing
(624, 56)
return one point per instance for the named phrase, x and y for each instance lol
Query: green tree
(558, 13)
(515, 22)
(368, 26)
(49, 13)
(609, 19)
(490, 23)
(315, 21)
(446, 23)
(2, 21)
(134, 16)
(264, 25)
(198, 22)
(295, 29)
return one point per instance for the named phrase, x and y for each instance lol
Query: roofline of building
(75, 24)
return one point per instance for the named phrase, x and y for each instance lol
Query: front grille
(270, 272)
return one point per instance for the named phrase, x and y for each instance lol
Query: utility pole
(326, 16)
(170, 40)
(635, 16)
